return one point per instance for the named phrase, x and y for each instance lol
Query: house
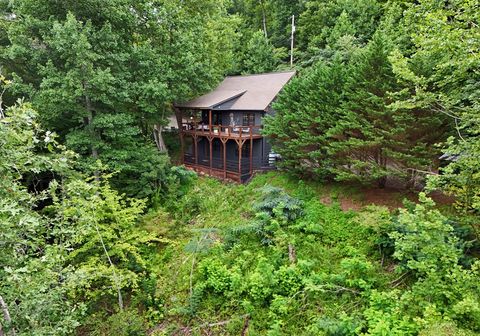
(221, 130)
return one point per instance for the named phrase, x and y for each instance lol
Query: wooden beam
(240, 145)
(224, 158)
(210, 121)
(182, 148)
(251, 154)
(211, 155)
(195, 140)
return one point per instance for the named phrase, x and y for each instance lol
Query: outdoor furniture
(202, 127)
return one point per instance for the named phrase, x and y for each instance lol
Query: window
(248, 119)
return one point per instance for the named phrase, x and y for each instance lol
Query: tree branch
(115, 278)
(6, 316)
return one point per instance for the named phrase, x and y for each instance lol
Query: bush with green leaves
(67, 245)
(33, 270)
(439, 285)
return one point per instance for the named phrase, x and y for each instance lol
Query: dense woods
(102, 233)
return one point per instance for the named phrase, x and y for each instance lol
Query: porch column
(210, 121)
(251, 152)
(210, 139)
(182, 149)
(224, 142)
(240, 159)
(195, 138)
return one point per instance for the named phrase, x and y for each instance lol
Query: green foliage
(67, 245)
(327, 26)
(246, 267)
(98, 217)
(33, 270)
(240, 275)
(305, 110)
(379, 83)
(260, 56)
(374, 141)
(425, 241)
(103, 75)
(444, 290)
(124, 323)
(337, 120)
(439, 73)
(274, 211)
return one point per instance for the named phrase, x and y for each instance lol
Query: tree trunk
(89, 120)
(178, 115)
(4, 84)
(245, 325)
(382, 162)
(158, 136)
(88, 123)
(6, 316)
(2, 115)
(382, 182)
(292, 255)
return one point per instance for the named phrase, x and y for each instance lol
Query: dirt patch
(388, 197)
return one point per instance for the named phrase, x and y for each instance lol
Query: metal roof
(250, 92)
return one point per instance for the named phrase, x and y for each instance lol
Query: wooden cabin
(221, 131)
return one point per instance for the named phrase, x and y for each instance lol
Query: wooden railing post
(182, 146)
(251, 152)
(210, 122)
(240, 159)
(196, 148)
(225, 158)
(211, 154)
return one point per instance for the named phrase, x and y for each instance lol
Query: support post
(251, 153)
(210, 139)
(240, 143)
(210, 122)
(224, 141)
(240, 160)
(182, 147)
(195, 138)
(291, 41)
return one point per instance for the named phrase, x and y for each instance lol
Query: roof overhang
(212, 99)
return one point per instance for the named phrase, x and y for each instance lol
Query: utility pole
(291, 41)
(264, 19)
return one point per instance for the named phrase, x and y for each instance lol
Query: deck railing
(221, 130)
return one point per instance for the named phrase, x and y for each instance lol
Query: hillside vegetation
(102, 233)
(255, 257)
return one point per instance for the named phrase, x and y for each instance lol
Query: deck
(240, 169)
(224, 132)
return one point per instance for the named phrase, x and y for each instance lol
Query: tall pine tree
(374, 139)
(305, 110)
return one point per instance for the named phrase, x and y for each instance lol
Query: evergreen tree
(305, 110)
(373, 139)
(260, 55)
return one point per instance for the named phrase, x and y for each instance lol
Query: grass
(330, 236)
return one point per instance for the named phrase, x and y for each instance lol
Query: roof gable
(251, 92)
